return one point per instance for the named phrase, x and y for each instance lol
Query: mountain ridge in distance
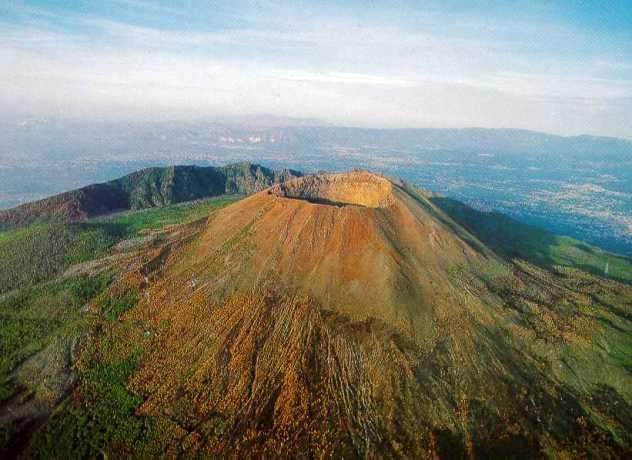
(150, 187)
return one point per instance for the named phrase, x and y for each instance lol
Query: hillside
(515, 239)
(43, 251)
(144, 189)
(336, 315)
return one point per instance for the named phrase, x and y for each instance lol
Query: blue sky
(563, 67)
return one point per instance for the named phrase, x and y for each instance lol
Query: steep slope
(349, 240)
(347, 316)
(147, 188)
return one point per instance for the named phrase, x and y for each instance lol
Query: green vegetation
(517, 240)
(30, 318)
(90, 241)
(99, 419)
(104, 414)
(135, 223)
(37, 309)
(32, 255)
(147, 188)
(41, 252)
(116, 306)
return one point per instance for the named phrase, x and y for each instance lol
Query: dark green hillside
(514, 239)
(147, 188)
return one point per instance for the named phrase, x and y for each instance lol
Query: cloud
(133, 35)
(341, 71)
(346, 78)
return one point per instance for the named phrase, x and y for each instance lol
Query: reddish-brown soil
(342, 315)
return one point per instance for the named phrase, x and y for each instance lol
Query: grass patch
(35, 310)
(91, 241)
(32, 255)
(135, 223)
(115, 306)
(99, 420)
(32, 317)
(41, 252)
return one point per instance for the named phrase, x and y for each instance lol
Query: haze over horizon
(560, 68)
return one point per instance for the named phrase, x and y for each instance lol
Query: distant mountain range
(55, 139)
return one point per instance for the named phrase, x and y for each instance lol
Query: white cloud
(339, 72)
(133, 35)
(347, 78)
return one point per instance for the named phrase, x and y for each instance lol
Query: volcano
(345, 315)
(356, 242)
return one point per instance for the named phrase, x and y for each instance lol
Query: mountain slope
(343, 239)
(144, 189)
(514, 239)
(577, 186)
(42, 251)
(346, 315)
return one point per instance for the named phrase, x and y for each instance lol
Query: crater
(355, 189)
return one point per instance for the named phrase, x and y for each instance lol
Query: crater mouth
(349, 189)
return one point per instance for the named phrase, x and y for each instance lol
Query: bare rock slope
(345, 315)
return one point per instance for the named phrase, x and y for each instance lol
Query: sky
(563, 67)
